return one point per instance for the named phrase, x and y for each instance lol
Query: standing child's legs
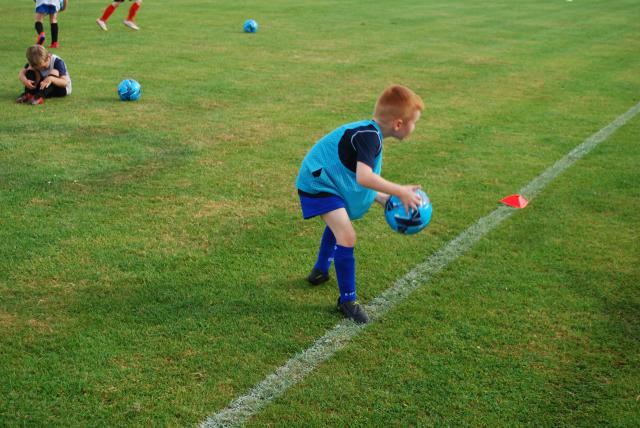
(39, 28)
(53, 19)
(340, 224)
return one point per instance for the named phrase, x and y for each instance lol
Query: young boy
(340, 178)
(129, 22)
(44, 76)
(51, 8)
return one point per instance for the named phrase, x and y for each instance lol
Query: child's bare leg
(340, 224)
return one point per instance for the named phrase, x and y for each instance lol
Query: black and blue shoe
(317, 277)
(354, 311)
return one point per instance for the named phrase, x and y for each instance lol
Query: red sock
(132, 11)
(107, 13)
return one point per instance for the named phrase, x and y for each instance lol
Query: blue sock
(346, 272)
(327, 248)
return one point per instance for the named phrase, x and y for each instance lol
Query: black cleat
(353, 311)
(317, 277)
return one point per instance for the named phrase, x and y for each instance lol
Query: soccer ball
(412, 223)
(250, 26)
(129, 90)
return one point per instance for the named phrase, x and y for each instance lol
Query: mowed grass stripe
(303, 363)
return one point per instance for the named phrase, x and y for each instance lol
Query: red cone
(515, 201)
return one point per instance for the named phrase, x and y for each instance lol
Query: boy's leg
(320, 272)
(34, 77)
(53, 19)
(340, 224)
(133, 10)
(102, 21)
(27, 95)
(39, 28)
(53, 91)
(32, 96)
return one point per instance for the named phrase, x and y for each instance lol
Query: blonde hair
(397, 102)
(37, 55)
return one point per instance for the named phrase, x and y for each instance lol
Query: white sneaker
(131, 24)
(101, 24)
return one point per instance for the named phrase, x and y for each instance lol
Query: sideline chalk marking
(303, 363)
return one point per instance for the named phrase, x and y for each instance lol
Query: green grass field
(152, 254)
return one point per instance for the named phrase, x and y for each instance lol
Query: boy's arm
(367, 178)
(60, 82)
(23, 78)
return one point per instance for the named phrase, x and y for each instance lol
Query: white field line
(303, 363)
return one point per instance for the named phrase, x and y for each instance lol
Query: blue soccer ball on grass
(250, 26)
(410, 223)
(129, 90)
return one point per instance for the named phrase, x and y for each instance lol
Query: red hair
(397, 102)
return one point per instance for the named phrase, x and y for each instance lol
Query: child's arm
(58, 81)
(30, 84)
(407, 193)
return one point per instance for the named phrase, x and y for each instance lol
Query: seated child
(340, 178)
(44, 76)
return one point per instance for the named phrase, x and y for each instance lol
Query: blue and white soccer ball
(129, 90)
(411, 223)
(250, 26)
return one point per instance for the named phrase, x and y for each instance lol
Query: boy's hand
(409, 197)
(45, 83)
(30, 84)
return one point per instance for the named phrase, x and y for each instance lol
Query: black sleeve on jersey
(60, 66)
(359, 144)
(367, 145)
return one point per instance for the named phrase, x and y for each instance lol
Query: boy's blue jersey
(330, 165)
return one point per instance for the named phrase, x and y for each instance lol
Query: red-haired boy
(340, 179)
